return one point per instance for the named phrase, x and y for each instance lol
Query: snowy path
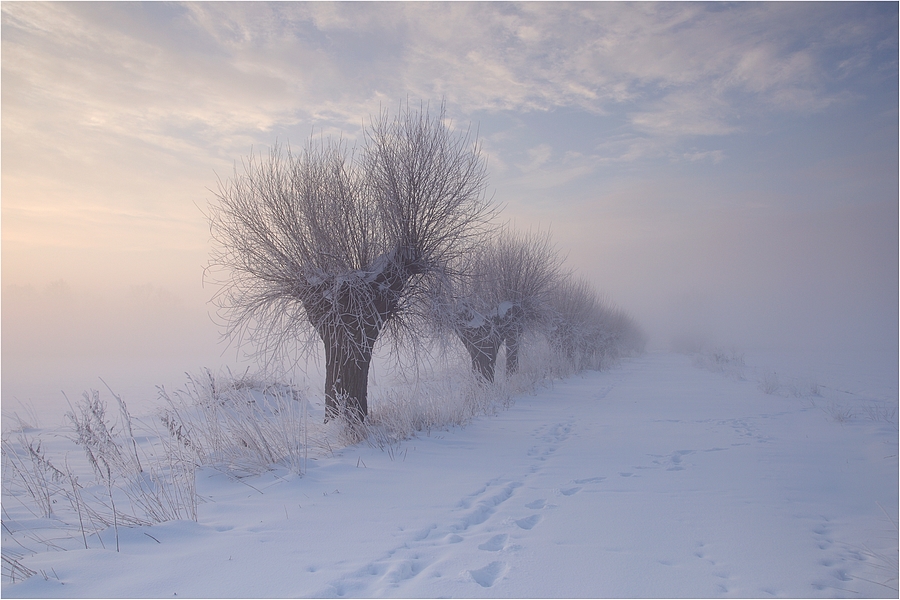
(654, 479)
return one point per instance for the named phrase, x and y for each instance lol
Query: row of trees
(395, 240)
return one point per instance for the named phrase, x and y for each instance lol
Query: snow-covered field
(654, 479)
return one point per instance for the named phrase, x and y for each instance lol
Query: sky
(725, 172)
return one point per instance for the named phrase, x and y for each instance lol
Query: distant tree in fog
(586, 330)
(504, 291)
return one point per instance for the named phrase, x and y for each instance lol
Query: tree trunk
(346, 382)
(510, 328)
(348, 354)
(482, 346)
(349, 319)
(513, 340)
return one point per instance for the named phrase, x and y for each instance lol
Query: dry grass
(121, 482)
(245, 425)
(727, 362)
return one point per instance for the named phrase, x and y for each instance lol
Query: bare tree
(344, 246)
(574, 304)
(506, 290)
(587, 330)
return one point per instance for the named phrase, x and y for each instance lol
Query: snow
(479, 320)
(653, 479)
(476, 321)
(378, 267)
(504, 308)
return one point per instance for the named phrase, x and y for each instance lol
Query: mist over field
(726, 174)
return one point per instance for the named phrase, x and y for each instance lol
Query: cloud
(538, 156)
(481, 56)
(672, 119)
(223, 75)
(713, 156)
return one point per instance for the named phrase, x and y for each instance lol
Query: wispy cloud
(224, 73)
(148, 88)
(713, 156)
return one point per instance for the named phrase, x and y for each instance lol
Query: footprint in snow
(495, 543)
(676, 456)
(424, 533)
(536, 504)
(528, 522)
(603, 393)
(570, 491)
(486, 507)
(468, 500)
(671, 462)
(488, 575)
(590, 480)
(404, 570)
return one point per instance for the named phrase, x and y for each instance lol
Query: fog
(732, 184)
(794, 283)
(817, 294)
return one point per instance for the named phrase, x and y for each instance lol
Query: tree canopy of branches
(342, 246)
(505, 290)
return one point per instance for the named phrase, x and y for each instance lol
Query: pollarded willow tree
(343, 246)
(505, 291)
(574, 325)
(588, 331)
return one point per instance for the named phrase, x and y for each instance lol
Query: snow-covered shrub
(880, 412)
(840, 413)
(244, 425)
(449, 394)
(770, 384)
(400, 412)
(27, 468)
(728, 362)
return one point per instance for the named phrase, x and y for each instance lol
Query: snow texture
(655, 479)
